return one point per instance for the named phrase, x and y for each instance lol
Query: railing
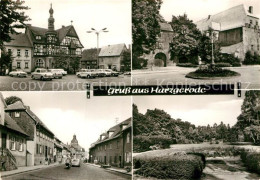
(6, 157)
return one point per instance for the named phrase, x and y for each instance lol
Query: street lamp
(93, 30)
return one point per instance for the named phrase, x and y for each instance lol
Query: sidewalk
(26, 169)
(115, 169)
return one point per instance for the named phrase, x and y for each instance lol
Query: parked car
(113, 73)
(64, 73)
(80, 71)
(103, 72)
(42, 74)
(87, 73)
(75, 162)
(56, 73)
(127, 73)
(18, 73)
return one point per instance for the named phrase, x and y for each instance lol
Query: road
(84, 172)
(67, 83)
(250, 77)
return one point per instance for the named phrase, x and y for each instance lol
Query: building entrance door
(105, 159)
(46, 151)
(3, 140)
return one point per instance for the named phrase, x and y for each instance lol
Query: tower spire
(51, 20)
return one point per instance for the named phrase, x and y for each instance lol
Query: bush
(139, 63)
(251, 160)
(251, 58)
(222, 64)
(229, 58)
(186, 65)
(144, 143)
(174, 166)
(158, 62)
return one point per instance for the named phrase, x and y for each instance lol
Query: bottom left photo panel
(64, 135)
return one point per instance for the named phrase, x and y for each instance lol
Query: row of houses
(237, 30)
(45, 47)
(26, 141)
(114, 147)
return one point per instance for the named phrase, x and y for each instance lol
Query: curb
(29, 170)
(110, 169)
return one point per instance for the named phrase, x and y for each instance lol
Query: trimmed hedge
(174, 166)
(186, 65)
(223, 64)
(251, 160)
(144, 143)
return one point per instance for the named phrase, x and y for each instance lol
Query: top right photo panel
(195, 42)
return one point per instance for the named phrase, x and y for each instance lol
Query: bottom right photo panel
(196, 137)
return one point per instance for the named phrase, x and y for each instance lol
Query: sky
(196, 109)
(200, 9)
(69, 113)
(115, 15)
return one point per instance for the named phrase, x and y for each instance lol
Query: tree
(12, 100)
(126, 61)
(185, 41)
(12, 17)
(145, 26)
(5, 61)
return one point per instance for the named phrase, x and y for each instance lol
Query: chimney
(209, 17)
(63, 26)
(250, 10)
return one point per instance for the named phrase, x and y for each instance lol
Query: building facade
(237, 30)
(89, 59)
(40, 144)
(21, 50)
(114, 147)
(12, 141)
(76, 150)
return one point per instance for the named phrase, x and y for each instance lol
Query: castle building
(237, 30)
(113, 147)
(45, 46)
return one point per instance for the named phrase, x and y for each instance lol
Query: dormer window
(17, 114)
(124, 126)
(38, 37)
(110, 133)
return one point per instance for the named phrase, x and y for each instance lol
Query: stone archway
(162, 57)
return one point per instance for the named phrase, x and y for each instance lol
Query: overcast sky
(200, 9)
(69, 113)
(115, 15)
(199, 110)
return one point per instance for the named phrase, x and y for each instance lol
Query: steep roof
(165, 27)
(3, 100)
(63, 31)
(90, 54)
(11, 124)
(19, 40)
(18, 105)
(117, 131)
(112, 50)
(231, 18)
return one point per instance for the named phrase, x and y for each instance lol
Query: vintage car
(103, 72)
(113, 73)
(42, 74)
(64, 73)
(18, 73)
(87, 73)
(56, 73)
(75, 162)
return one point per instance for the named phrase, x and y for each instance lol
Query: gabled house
(110, 56)
(76, 150)
(113, 147)
(40, 144)
(237, 30)
(21, 50)
(12, 141)
(89, 58)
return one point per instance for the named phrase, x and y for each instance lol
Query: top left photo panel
(61, 45)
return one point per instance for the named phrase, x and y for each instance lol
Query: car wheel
(88, 76)
(41, 78)
(33, 77)
(11, 75)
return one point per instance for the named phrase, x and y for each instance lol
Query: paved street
(250, 77)
(86, 172)
(67, 83)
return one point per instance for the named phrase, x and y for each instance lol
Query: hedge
(174, 166)
(186, 65)
(251, 160)
(223, 64)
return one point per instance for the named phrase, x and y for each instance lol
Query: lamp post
(93, 30)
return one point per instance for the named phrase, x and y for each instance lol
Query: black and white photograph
(60, 45)
(196, 137)
(196, 42)
(64, 135)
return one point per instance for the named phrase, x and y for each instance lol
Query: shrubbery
(158, 62)
(186, 65)
(174, 166)
(229, 58)
(251, 58)
(144, 143)
(139, 63)
(223, 65)
(251, 160)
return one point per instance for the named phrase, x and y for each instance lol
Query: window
(26, 65)
(110, 145)
(40, 149)
(17, 114)
(20, 145)
(37, 133)
(105, 147)
(39, 63)
(252, 47)
(128, 138)
(12, 143)
(26, 53)
(18, 64)
(251, 22)
(9, 51)
(128, 157)
(38, 37)
(18, 52)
